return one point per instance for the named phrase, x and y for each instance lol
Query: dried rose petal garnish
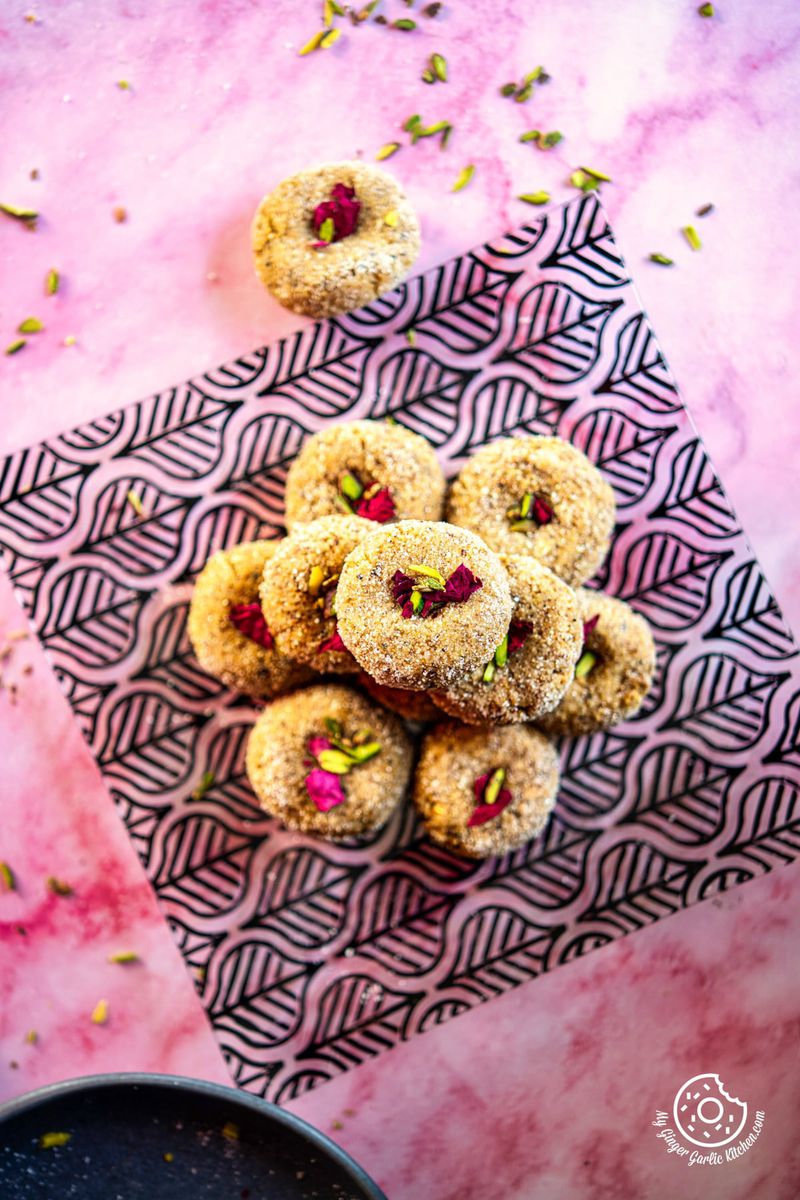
(249, 620)
(341, 211)
(531, 512)
(589, 627)
(325, 789)
(334, 642)
(336, 756)
(490, 797)
(426, 591)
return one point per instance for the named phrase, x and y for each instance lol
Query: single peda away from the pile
(421, 604)
(327, 761)
(537, 496)
(371, 469)
(226, 626)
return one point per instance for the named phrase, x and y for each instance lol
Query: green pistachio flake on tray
(312, 44)
(7, 877)
(135, 502)
(328, 39)
(387, 151)
(597, 174)
(30, 325)
(583, 181)
(464, 178)
(411, 122)
(52, 281)
(532, 135)
(508, 89)
(100, 1013)
(58, 886)
(48, 1140)
(692, 236)
(439, 67)
(535, 197)
(411, 337)
(533, 75)
(548, 140)
(31, 1037)
(123, 85)
(124, 956)
(28, 215)
(205, 785)
(428, 76)
(662, 260)
(404, 23)
(706, 10)
(16, 346)
(524, 93)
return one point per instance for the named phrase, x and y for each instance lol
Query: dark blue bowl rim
(180, 1083)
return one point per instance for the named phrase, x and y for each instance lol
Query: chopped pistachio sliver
(316, 578)
(58, 887)
(428, 76)
(387, 151)
(124, 956)
(489, 671)
(583, 181)
(124, 85)
(706, 10)
(350, 487)
(8, 878)
(501, 653)
(31, 1037)
(326, 230)
(524, 93)
(428, 573)
(338, 762)
(51, 282)
(135, 501)
(313, 43)
(404, 23)
(30, 325)
(526, 505)
(70, 339)
(493, 786)
(28, 215)
(508, 89)
(535, 197)
(333, 727)
(464, 178)
(328, 39)
(230, 1131)
(48, 1140)
(439, 67)
(417, 601)
(391, 218)
(362, 754)
(205, 785)
(533, 75)
(327, 14)
(585, 664)
(692, 236)
(14, 347)
(411, 336)
(100, 1013)
(662, 259)
(551, 139)
(532, 135)
(411, 122)
(597, 174)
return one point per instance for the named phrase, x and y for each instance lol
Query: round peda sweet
(421, 604)
(226, 627)
(538, 496)
(376, 234)
(295, 735)
(299, 592)
(380, 471)
(615, 671)
(535, 664)
(413, 706)
(482, 792)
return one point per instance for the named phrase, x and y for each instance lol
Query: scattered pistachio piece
(387, 151)
(532, 135)
(327, 13)
(124, 956)
(439, 67)
(316, 578)
(603, 178)
(583, 181)
(508, 89)
(135, 501)
(100, 1013)
(51, 282)
(70, 339)
(523, 93)
(411, 336)
(431, 10)
(404, 23)
(535, 197)
(31, 1037)
(411, 122)
(548, 140)
(337, 8)
(662, 260)
(30, 325)
(464, 178)
(123, 85)
(58, 886)
(706, 10)
(704, 210)
(692, 236)
(28, 216)
(8, 878)
(494, 784)
(230, 1131)
(312, 43)
(391, 218)
(48, 1140)
(329, 38)
(428, 76)
(205, 785)
(585, 664)
(430, 573)
(533, 75)
(14, 347)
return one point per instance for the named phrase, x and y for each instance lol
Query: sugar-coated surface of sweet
(454, 756)
(536, 676)
(375, 452)
(278, 761)
(414, 706)
(419, 653)
(346, 274)
(622, 676)
(496, 478)
(297, 622)
(233, 577)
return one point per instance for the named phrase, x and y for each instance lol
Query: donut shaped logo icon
(705, 1114)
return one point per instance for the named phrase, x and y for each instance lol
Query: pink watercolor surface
(681, 111)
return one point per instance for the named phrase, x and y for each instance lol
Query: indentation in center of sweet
(531, 512)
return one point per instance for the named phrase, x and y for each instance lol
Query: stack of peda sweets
(478, 625)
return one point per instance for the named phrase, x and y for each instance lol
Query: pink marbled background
(680, 111)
